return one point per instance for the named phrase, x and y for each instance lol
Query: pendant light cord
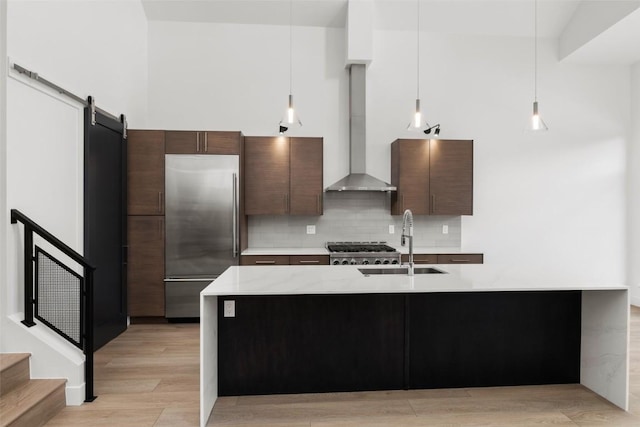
(290, 46)
(535, 50)
(418, 52)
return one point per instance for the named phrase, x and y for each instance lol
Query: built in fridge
(201, 214)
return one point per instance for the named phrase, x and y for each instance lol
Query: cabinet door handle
(159, 201)
(309, 262)
(206, 142)
(234, 213)
(286, 203)
(161, 229)
(318, 203)
(402, 203)
(198, 142)
(266, 262)
(433, 203)
(459, 260)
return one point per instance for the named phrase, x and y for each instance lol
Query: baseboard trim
(74, 395)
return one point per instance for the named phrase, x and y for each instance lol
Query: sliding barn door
(105, 223)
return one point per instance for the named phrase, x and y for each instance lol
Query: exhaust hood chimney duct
(358, 180)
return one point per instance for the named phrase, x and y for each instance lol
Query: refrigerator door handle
(235, 215)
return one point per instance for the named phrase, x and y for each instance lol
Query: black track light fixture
(434, 128)
(282, 130)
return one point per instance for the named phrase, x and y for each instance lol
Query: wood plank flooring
(149, 376)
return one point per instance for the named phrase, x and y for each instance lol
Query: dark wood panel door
(460, 258)
(264, 260)
(451, 177)
(145, 172)
(421, 258)
(184, 142)
(266, 175)
(481, 339)
(221, 142)
(306, 165)
(410, 174)
(311, 343)
(309, 259)
(146, 266)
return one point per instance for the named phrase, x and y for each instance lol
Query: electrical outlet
(445, 229)
(392, 229)
(311, 229)
(230, 308)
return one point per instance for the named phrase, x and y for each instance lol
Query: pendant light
(537, 124)
(290, 119)
(417, 124)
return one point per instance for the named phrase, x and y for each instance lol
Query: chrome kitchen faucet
(407, 219)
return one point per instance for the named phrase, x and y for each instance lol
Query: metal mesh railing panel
(58, 297)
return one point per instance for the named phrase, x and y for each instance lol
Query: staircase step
(32, 404)
(14, 371)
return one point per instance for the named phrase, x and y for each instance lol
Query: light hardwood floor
(149, 377)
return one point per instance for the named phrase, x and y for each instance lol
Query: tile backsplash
(351, 216)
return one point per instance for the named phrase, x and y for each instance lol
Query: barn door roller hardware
(37, 77)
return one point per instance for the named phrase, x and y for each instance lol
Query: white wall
(548, 205)
(633, 195)
(236, 77)
(93, 48)
(89, 47)
(3, 156)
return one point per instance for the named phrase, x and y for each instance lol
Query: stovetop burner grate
(359, 247)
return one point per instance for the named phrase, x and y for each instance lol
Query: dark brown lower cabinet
(331, 343)
(485, 339)
(264, 260)
(311, 343)
(145, 266)
(445, 258)
(309, 259)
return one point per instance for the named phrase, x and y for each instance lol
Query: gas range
(362, 253)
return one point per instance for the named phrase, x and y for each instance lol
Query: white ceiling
(620, 43)
(490, 17)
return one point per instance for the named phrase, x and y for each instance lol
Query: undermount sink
(400, 270)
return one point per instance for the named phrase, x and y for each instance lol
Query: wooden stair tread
(7, 360)
(37, 399)
(14, 371)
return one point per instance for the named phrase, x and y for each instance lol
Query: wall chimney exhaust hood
(358, 179)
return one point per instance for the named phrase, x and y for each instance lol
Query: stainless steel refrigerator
(201, 214)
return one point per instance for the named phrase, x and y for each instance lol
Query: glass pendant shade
(290, 119)
(537, 124)
(417, 125)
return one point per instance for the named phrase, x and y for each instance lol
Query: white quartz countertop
(329, 279)
(285, 251)
(324, 251)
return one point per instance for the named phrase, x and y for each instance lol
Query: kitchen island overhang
(598, 355)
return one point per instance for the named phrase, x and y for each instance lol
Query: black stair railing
(70, 318)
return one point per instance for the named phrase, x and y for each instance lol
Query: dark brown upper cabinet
(410, 174)
(145, 172)
(202, 142)
(433, 177)
(283, 176)
(451, 177)
(306, 168)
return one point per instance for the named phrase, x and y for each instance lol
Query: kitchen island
(289, 329)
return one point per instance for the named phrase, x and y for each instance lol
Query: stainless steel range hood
(358, 179)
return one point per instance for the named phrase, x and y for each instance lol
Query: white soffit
(603, 32)
(313, 13)
(511, 18)
(473, 17)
